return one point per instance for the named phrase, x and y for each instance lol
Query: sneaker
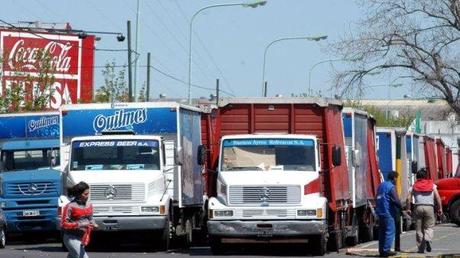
(428, 246)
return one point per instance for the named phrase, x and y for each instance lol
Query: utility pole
(147, 93)
(130, 74)
(217, 92)
(135, 51)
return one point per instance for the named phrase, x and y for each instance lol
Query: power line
(161, 72)
(205, 49)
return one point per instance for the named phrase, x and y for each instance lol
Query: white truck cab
(268, 185)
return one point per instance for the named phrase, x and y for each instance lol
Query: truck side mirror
(179, 157)
(413, 167)
(336, 155)
(201, 158)
(356, 158)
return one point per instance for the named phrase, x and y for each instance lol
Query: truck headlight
(150, 209)
(306, 212)
(225, 213)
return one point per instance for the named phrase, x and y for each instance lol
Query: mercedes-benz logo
(32, 188)
(110, 192)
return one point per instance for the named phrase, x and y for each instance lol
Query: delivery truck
(141, 161)
(30, 179)
(277, 171)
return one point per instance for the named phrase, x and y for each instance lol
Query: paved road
(446, 242)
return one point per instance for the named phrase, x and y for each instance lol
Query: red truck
(277, 170)
(449, 190)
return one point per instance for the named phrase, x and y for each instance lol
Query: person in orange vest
(424, 194)
(77, 221)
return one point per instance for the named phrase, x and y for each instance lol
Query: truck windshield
(268, 154)
(14, 160)
(115, 155)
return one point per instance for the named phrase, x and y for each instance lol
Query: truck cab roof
(29, 144)
(269, 135)
(116, 137)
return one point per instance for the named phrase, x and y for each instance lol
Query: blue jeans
(387, 232)
(73, 244)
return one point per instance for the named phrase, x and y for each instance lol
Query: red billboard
(71, 61)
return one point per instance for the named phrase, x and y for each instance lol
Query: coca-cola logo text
(31, 58)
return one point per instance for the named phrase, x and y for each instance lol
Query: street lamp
(326, 61)
(283, 39)
(252, 4)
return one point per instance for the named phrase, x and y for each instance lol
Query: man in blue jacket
(386, 208)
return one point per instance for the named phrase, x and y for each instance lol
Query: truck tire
(2, 238)
(165, 237)
(454, 212)
(318, 245)
(216, 245)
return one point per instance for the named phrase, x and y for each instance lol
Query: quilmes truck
(276, 171)
(30, 179)
(140, 160)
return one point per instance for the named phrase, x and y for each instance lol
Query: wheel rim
(2, 237)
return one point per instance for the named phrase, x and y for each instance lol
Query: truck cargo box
(430, 157)
(362, 163)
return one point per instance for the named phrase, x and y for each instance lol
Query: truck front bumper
(41, 220)
(264, 229)
(129, 223)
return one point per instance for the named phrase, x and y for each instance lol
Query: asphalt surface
(446, 242)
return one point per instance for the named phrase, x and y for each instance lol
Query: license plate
(30, 213)
(264, 233)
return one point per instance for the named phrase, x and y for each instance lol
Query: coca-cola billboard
(70, 60)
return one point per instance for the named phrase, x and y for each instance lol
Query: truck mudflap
(131, 223)
(266, 229)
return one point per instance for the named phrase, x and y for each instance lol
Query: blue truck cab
(30, 179)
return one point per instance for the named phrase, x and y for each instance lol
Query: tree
(418, 38)
(29, 92)
(114, 87)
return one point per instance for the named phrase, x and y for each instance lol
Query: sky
(228, 43)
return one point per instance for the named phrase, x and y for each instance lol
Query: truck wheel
(2, 238)
(216, 245)
(318, 244)
(454, 212)
(165, 237)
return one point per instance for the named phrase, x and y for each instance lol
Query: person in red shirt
(77, 221)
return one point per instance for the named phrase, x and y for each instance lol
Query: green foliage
(382, 117)
(114, 85)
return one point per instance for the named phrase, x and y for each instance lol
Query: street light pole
(284, 39)
(321, 62)
(250, 4)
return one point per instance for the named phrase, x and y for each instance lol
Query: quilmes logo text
(44, 121)
(121, 119)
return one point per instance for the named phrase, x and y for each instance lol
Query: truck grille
(264, 194)
(117, 192)
(31, 189)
